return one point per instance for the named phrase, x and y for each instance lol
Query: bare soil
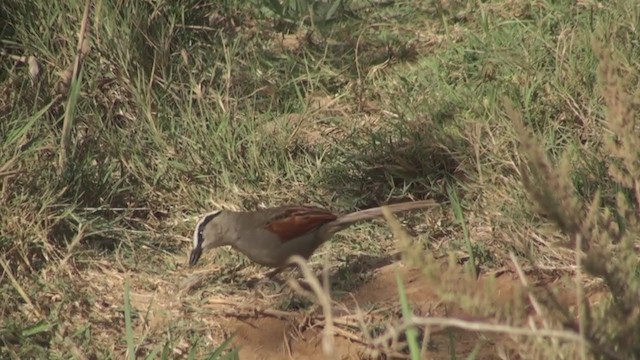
(268, 337)
(263, 331)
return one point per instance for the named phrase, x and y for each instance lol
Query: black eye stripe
(201, 225)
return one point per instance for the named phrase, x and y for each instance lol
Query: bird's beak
(195, 256)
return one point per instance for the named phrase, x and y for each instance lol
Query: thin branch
(477, 326)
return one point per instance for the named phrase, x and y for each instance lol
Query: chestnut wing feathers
(293, 222)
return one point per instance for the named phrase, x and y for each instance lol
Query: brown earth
(270, 337)
(258, 344)
(261, 331)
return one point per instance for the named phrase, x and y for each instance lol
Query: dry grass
(120, 124)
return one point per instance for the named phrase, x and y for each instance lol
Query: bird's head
(207, 235)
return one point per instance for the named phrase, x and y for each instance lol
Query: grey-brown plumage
(270, 237)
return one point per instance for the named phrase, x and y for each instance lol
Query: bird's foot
(273, 283)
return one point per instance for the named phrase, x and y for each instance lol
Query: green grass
(181, 108)
(412, 333)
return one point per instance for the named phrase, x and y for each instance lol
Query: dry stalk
(525, 284)
(479, 326)
(239, 310)
(322, 296)
(20, 290)
(580, 297)
(68, 117)
(532, 298)
(76, 240)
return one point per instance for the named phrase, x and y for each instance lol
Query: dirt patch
(261, 331)
(272, 337)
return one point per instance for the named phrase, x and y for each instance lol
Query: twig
(107, 208)
(529, 269)
(253, 309)
(478, 326)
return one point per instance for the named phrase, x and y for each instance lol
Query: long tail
(346, 220)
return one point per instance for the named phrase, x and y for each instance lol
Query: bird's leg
(271, 274)
(270, 277)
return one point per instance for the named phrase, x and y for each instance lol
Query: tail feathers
(346, 220)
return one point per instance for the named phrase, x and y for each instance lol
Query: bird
(269, 237)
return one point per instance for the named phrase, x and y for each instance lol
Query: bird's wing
(290, 222)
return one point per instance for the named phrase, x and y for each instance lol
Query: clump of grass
(604, 238)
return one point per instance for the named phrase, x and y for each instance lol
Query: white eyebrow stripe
(204, 220)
